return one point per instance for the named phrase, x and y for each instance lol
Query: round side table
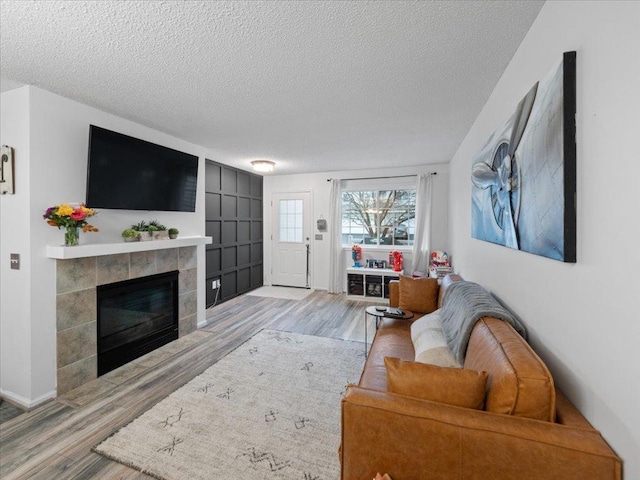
(380, 312)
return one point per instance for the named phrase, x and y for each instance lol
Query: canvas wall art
(524, 178)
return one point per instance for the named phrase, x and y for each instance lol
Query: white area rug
(287, 293)
(268, 410)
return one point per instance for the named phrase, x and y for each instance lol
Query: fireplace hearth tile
(75, 308)
(75, 274)
(113, 268)
(188, 257)
(142, 264)
(124, 373)
(151, 359)
(86, 393)
(167, 260)
(182, 343)
(76, 343)
(188, 280)
(187, 325)
(187, 304)
(77, 374)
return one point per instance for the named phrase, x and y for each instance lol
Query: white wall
(15, 327)
(317, 184)
(51, 165)
(583, 318)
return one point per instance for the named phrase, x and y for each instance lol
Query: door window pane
(291, 212)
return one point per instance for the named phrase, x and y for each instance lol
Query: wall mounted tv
(130, 174)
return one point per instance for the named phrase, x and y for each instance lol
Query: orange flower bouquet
(72, 217)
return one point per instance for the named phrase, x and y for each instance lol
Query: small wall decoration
(524, 178)
(7, 178)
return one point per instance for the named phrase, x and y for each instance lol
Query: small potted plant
(143, 231)
(151, 230)
(130, 235)
(173, 233)
(157, 230)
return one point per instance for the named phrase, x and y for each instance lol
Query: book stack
(440, 265)
(443, 271)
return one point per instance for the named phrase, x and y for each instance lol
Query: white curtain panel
(336, 258)
(422, 235)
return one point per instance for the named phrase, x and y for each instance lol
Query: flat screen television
(131, 174)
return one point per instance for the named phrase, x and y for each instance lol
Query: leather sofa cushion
(393, 338)
(453, 386)
(418, 294)
(519, 382)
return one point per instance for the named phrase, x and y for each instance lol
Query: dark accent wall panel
(234, 222)
(243, 232)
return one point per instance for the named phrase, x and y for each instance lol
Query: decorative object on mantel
(151, 231)
(130, 235)
(173, 233)
(72, 217)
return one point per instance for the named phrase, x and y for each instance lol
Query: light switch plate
(15, 261)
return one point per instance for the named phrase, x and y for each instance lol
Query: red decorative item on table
(397, 261)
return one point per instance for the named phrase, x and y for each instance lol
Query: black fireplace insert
(135, 317)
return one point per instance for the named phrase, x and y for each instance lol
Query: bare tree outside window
(378, 217)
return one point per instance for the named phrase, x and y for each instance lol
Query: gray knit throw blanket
(465, 303)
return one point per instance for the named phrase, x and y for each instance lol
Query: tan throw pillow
(419, 295)
(453, 386)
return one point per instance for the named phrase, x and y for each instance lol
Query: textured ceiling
(313, 86)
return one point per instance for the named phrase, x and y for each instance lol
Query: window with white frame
(378, 217)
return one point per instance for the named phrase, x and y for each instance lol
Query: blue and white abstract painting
(524, 178)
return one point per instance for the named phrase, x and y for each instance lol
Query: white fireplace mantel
(97, 249)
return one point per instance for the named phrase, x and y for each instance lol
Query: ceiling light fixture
(263, 165)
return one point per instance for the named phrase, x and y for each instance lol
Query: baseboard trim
(203, 323)
(25, 403)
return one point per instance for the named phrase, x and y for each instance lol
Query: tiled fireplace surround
(76, 305)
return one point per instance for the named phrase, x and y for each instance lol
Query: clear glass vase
(71, 236)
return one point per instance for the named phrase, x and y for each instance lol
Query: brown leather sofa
(528, 429)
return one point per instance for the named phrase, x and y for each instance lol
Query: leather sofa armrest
(394, 293)
(414, 439)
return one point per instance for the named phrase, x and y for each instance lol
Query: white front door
(291, 255)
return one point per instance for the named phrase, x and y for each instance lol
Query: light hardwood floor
(54, 441)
